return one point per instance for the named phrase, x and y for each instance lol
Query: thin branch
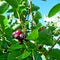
(18, 15)
(21, 22)
(46, 52)
(30, 12)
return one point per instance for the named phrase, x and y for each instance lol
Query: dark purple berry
(20, 41)
(40, 46)
(22, 36)
(19, 36)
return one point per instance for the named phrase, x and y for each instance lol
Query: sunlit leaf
(33, 35)
(24, 55)
(54, 10)
(15, 47)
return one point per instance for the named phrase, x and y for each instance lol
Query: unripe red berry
(18, 32)
(42, 28)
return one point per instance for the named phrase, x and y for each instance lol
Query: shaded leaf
(13, 3)
(13, 55)
(55, 53)
(3, 21)
(3, 57)
(3, 8)
(44, 35)
(8, 31)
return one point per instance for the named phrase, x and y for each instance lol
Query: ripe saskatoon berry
(42, 28)
(22, 36)
(13, 34)
(18, 32)
(16, 36)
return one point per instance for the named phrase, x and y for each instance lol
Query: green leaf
(55, 53)
(21, 9)
(3, 56)
(37, 26)
(54, 10)
(3, 8)
(30, 45)
(0, 43)
(3, 21)
(13, 3)
(36, 55)
(8, 31)
(26, 23)
(49, 42)
(33, 35)
(15, 47)
(37, 17)
(44, 35)
(4, 44)
(34, 7)
(24, 55)
(13, 55)
(52, 28)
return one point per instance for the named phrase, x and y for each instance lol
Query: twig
(46, 52)
(30, 12)
(21, 22)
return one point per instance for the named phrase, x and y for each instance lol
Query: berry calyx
(18, 32)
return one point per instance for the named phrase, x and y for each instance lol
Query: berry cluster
(19, 36)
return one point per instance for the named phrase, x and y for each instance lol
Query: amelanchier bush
(22, 36)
